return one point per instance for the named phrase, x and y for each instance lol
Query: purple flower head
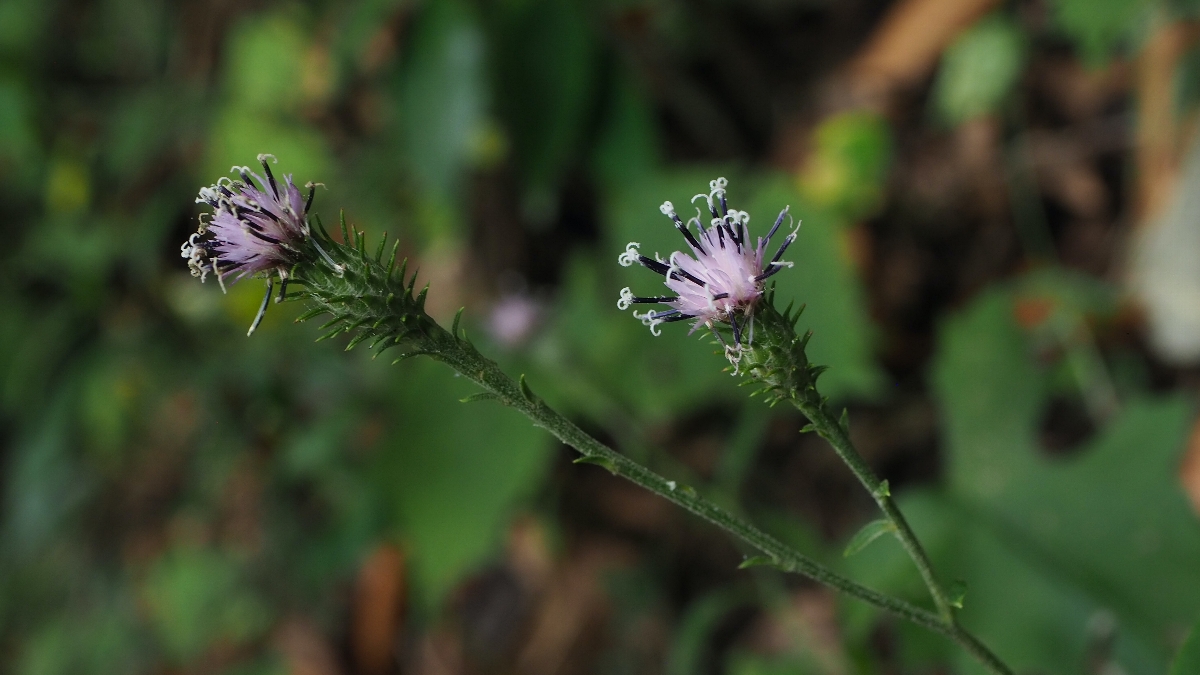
(255, 226)
(722, 278)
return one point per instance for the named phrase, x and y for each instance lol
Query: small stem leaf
(759, 561)
(598, 461)
(956, 593)
(807, 429)
(345, 232)
(844, 422)
(526, 391)
(882, 491)
(457, 320)
(481, 396)
(869, 533)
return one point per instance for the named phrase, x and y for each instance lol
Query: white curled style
(650, 321)
(631, 255)
(626, 299)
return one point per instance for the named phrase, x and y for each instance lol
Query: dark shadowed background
(1000, 257)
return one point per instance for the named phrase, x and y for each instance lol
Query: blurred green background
(1000, 257)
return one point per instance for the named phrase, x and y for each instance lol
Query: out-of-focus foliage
(175, 497)
(979, 70)
(1187, 660)
(1105, 539)
(849, 162)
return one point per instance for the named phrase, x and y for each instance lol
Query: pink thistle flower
(257, 227)
(720, 281)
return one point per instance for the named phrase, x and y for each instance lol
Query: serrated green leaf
(869, 533)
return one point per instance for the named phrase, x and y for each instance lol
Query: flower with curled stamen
(722, 279)
(258, 226)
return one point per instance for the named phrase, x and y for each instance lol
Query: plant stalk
(488, 375)
(371, 298)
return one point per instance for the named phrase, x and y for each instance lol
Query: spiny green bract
(373, 299)
(776, 359)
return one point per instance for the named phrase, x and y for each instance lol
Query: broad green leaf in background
(1100, 27)
(266, 58)
(1187, 659)
(101, 639)
(847, 168)
(197, 597)
(1046, 545)
(453, 472)
(545, 71)
(441, 96)
(265, 74)
(980, 69)
(20, 153)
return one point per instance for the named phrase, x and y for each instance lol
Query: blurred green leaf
(980, 69)
(1187, 659)
(20, 153)
(1052, 541)
(84, 643)
(196, 598)
(846, 171)
(746, 663)
(453, 473)
(22, 23)
(266, 61)
(442, 96)
(545, 61)
(692, 646)
(1100, 27)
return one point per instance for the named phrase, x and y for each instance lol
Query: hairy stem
(829, 429)
(488, 375)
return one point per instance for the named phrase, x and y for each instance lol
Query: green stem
(829, 429)
(488, 375)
